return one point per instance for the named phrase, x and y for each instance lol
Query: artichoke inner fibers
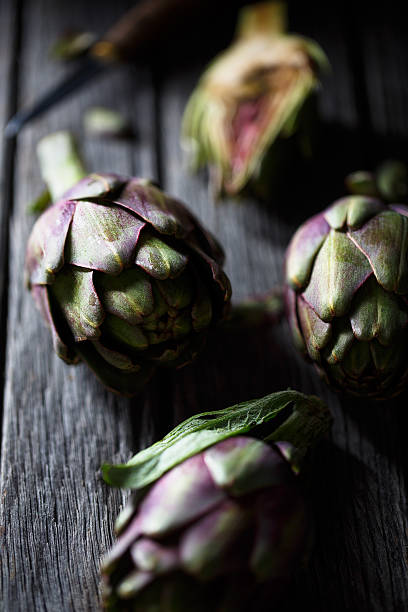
(347, 290)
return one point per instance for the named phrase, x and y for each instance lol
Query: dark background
(56, 514)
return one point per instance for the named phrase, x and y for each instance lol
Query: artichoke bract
(347, 295)
(126, 278)
(225, 527)
(250, 98)
(231, 519)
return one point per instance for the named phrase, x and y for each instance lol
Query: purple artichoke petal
(316, 332)
(95, 186)
(166, 215)
(338, 271)
(303, 249)
(342, 340)
(217, 272)
(291, 313)
(181, 495)
(241, 465)
(126, 514)
(128, 296)
(384, 241)
(41, 297)
(45, 250)
(280, 534)
(102, 238)
(158, 259)
(149, 556)
(376, 313)
(399, 208)
(122, 544)
(206, 546)
(115, 359)
(76, 297)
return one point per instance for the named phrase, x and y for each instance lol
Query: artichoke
(250, 99)
(347, 295)
(126, 278)
(225, 527)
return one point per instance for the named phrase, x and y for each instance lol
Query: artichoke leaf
(74, 292)
(377, 313)
(102, 238)
(159, 259)
(200, 432)
(128, 296)
(384, 241)
(340, 269)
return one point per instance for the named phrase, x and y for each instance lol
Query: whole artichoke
(250, 98)
(347, 295)
(221, 531)
(126, 278)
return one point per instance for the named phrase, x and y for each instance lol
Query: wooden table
(59, 425)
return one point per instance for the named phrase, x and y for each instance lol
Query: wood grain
(56, 515)
(9, 47)
(59, 425)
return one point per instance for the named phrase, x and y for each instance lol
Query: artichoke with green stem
(124, 275)
(218, 520)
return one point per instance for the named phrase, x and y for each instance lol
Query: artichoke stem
(60, 164)
(263, 18)
(308, 422)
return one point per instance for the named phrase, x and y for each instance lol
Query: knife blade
(140, 31)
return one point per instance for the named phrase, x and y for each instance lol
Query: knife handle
(144, 28)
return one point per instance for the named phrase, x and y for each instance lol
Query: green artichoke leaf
(357, 360)
(202, 431)
(336, 214)
(377, 313)
(178, 292)
(303, 250)
(352, 211)
(316, 332)
(128, 296)
(159, 259)
(339, 270)
(102, 237)
(205, 544)
(74, 292)
(127, 335)
(242, 468)
(384, 241)
(343, 338)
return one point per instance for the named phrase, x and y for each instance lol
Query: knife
(140, 32)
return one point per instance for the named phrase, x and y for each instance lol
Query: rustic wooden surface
(56, 514)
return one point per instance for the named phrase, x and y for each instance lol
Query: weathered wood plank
(56, 514)
(8, 71)
(357, 489)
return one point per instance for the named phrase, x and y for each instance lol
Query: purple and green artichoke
(126, 279)
(347, 295)
(250, 99)
(219, 521)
